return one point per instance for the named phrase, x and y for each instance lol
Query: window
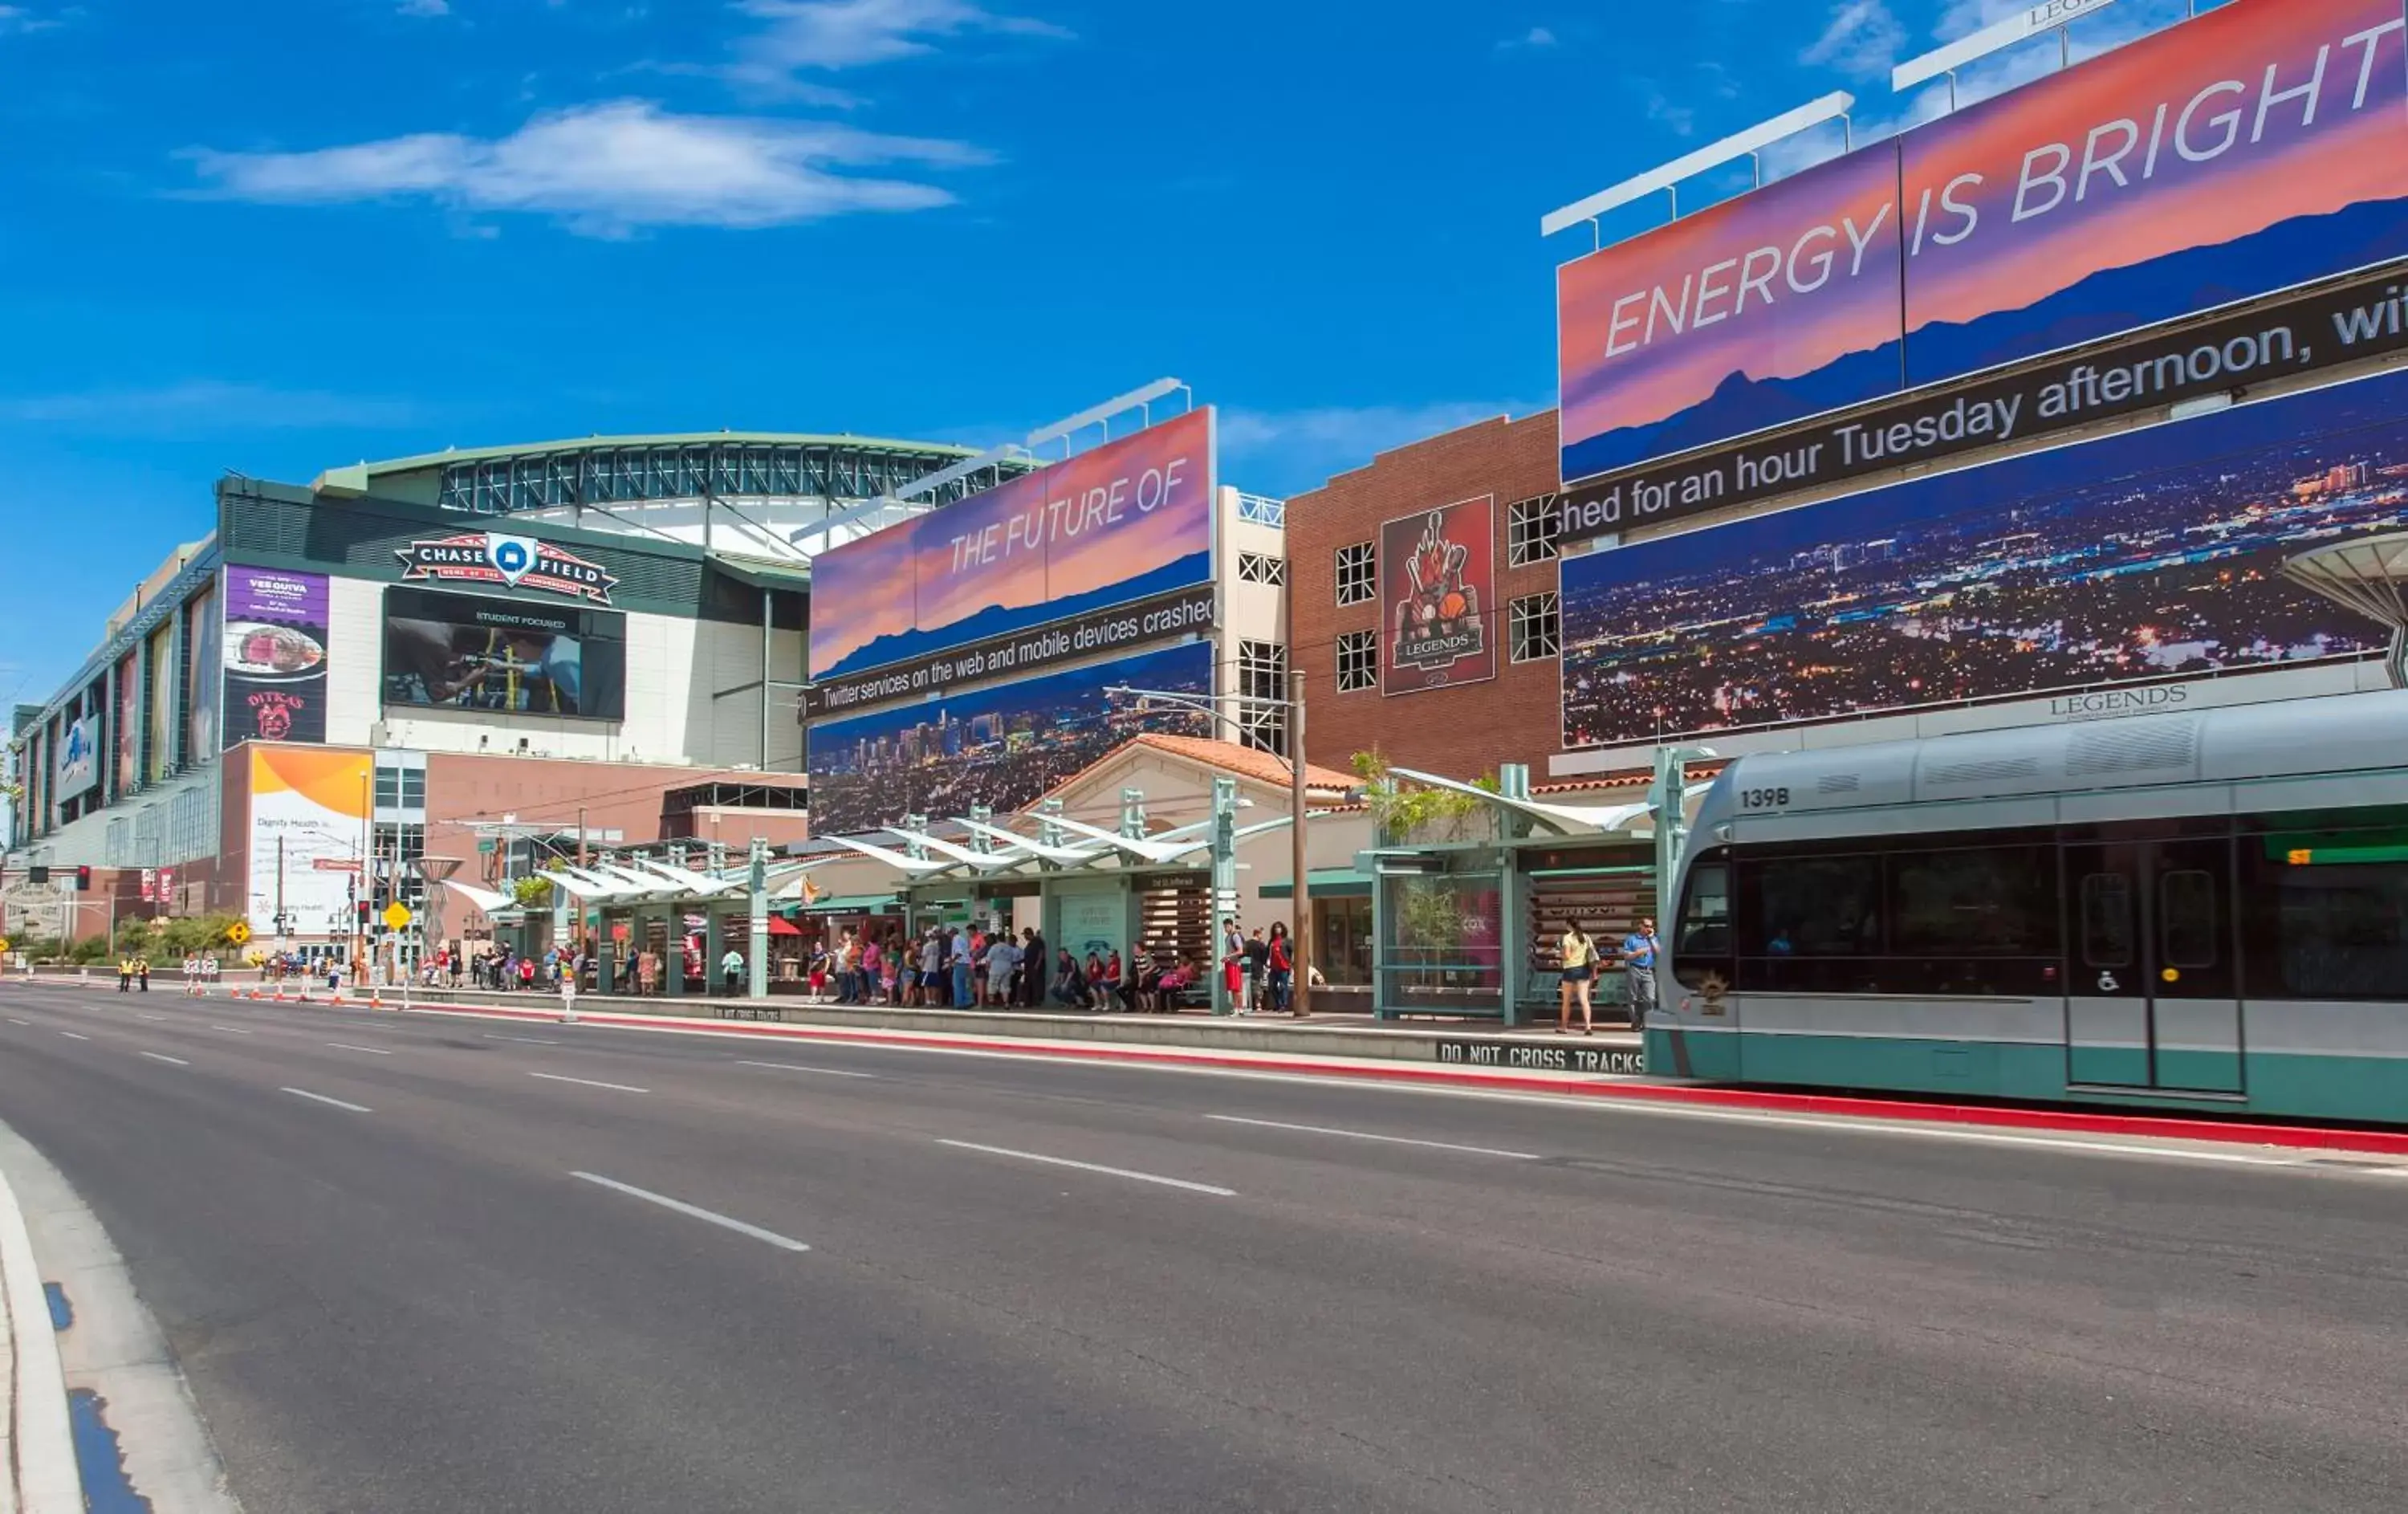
(1358, 577)
(1258, 567)
(2106, 920)
(401, 789)
(1530, 531)
(1537, 628)
(2187, 919)
(1991, 902)
(1702, 939)
(2327, 915)
(1359, 661)
(1815, 906)
(1342, 939)
(1262, 692)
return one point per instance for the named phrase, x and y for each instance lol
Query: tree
(532, 893)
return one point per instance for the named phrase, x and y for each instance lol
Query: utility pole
(1301, 968)
(283, 930)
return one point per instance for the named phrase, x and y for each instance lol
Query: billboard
(1438, 595)
(161, 754)
(2152, 554)
(1128, 521)
(469, 652)
(1003, 747)
(78, 760)
(309, 807)
(206, 670)
(274, 652)
(2258, 147)
(125, 734)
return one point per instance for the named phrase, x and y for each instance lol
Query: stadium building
(430, 661)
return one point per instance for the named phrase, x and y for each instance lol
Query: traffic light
(364, 911)
(83, 880)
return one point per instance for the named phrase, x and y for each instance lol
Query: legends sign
(2361, 319)
(1162, 618)
(1524, 1056)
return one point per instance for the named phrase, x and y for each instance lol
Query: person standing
(1002, 959)
(125, 974)
(731, 971)
(1233, 964)
(957, 955)
(1258, 958)
(933, 976)
(1032, 969)
(873, 968)
(1580, 970)
(1638, 952)
(1281, 968)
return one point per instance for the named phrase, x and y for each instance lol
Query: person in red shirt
(1281, 968)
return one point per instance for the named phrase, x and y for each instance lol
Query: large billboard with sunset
(2151, 556)
(1127, 520)
(2258, 147)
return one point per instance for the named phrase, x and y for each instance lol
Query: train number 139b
(1763, 799)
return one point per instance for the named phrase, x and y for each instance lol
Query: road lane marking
(621, 1087)
(163, 1056)
(72, 1036)
(1091, 1167)
(1388, 1140)
(373, 1051)
(305, 1093)
(150, 1016)
(14, 1020)
(522, 1040)
(230, 1029)
(785, 1242)
(798, 1067)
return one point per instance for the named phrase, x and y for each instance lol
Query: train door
(2152, 996)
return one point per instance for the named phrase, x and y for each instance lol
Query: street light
(1300, 968)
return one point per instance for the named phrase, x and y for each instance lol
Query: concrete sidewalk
(37, 1442)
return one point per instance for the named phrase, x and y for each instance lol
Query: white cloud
(208, 404)
(1863, 39)
(608, 168)
(423, 7)
(1680, 119)
(848, 33)
(1536, 37)
(19, 19)
(1287, 451)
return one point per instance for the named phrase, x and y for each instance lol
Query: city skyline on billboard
(2151, 556)
(2261, 146)
(1122, 521)
(1004, 746)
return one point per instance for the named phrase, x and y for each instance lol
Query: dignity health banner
(2258, 147)
(1122, 522)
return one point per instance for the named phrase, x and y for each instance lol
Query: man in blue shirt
(1638, 950)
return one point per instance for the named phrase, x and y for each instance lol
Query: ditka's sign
(511, 562)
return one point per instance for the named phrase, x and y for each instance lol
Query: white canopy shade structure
(986, 861)
(2370, 575)
(686, 878)
(589, 888)
(1064, 855)
(1562, 819)
(787, 882)
(1144, 851)
(484, 899)
(913, 865)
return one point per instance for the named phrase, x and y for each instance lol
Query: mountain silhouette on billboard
(998, 620)
(2110, 301)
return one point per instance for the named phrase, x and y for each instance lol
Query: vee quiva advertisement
(2256, 147)
(275, 656)
(1124, 521)
(1437, 597)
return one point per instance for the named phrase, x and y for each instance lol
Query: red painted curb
(2159, 1127)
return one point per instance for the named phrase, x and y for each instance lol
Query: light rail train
(2203, 910)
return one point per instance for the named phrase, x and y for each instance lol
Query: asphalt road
(415, 1303)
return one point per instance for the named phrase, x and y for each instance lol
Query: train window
(1703, 938)
(2324, 930)
(1815, 906)
(1984, 901)
(2187, 919)
(2106, 920)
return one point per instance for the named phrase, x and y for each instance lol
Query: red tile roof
(1246, 761)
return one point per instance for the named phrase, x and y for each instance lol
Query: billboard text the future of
(2258, 147)
(1125, 524)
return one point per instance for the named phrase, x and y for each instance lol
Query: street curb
(44, 1476)
(1904, 1112)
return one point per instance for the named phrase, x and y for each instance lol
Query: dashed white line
(522, 1040)
(320, 1098)
(619, 1088)
(798, 1067)
(785, 1242)
(72, 1036)
(373, 1051)
(1385, 1140)
(1092, 1167)
(14, 1020)
(230, 1029)
(150, 1016)
(163, 1056)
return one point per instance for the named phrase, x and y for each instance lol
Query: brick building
(1339, 620)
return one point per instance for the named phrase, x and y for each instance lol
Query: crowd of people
(977, 967)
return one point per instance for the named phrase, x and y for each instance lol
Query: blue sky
(284, 235)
